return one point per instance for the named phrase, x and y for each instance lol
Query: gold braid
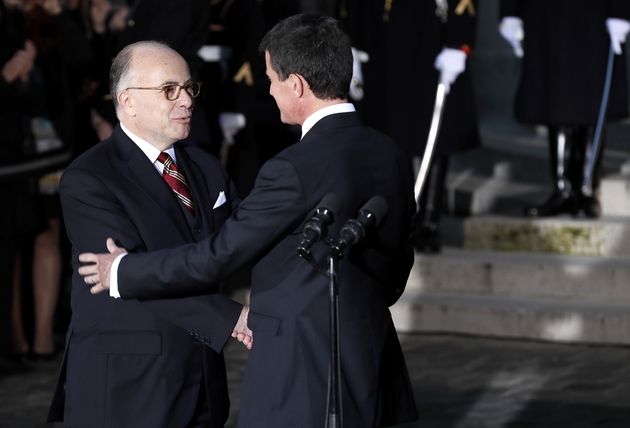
(386, 8)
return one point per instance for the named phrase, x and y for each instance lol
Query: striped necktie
(175, 178)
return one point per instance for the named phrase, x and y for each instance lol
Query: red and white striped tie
(175, 178)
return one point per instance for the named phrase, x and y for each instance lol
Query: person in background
(61, 48)
(410, 47)
(245, 128)
(20, 98)
(564, 45)
(89, 82)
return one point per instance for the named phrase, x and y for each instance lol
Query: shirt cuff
(113, 277)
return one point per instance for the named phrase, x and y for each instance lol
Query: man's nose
(185, 99)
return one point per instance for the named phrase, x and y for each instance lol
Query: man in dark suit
(309, 64)
(137, 363)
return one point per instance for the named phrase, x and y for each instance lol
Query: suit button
(197, 230)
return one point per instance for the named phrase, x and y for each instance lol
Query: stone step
(524, 145)
(614, 193)
(608, 236)
(512, 170)
(529, 275)
(513, 317)
(526, 295)
(470, 194)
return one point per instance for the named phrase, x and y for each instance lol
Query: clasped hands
(97, 274)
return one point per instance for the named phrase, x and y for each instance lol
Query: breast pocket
(221, 213)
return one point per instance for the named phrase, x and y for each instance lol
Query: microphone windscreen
(333, 203)
(378, 207)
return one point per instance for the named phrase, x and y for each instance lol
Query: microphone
(316, 228)
(370, 215)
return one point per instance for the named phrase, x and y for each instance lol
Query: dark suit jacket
(286, 378)
(127, 363)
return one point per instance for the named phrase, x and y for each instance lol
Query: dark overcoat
(400, 80)
(566, 48)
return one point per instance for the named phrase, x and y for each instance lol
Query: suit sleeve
(92, 214)
(274, 208)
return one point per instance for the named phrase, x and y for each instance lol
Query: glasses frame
(165, 88)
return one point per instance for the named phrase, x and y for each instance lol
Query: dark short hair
(315, 47)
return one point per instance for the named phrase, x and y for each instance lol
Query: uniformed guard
(565, 45)
(412, 46)
(245, 127)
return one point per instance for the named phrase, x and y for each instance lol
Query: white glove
(618, 30)
(511, 29)
(451, 63)
(230, 124)
(356, 86)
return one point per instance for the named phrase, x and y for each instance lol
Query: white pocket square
(220, 200)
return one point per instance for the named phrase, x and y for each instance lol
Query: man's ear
(298, 85)
(125, 101)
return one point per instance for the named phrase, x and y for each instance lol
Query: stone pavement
(459, 382)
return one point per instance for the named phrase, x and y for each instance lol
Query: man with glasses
(146, 363)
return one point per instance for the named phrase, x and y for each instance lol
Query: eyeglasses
(171, 92)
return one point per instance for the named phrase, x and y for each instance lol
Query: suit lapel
(139, 171)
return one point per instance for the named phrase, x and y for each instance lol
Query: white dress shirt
(322, 113)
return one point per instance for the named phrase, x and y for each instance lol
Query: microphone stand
(352, 232)
(334, 417)
(333, 408)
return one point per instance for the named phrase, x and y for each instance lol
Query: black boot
(561, 200)
(587, 206)
(427, 239)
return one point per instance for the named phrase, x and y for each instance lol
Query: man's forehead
(166, 66)
(157, 55)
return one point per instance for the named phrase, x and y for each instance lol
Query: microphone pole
(334, 417)
(370, 215)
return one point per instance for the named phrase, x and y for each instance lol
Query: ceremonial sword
(587, 183)
(434, 131)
